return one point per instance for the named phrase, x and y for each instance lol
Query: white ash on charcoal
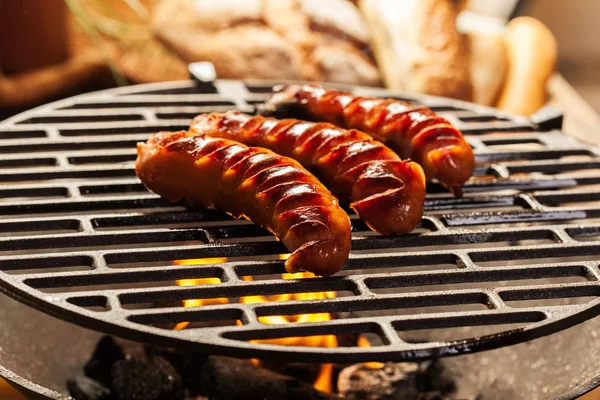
(396, 381)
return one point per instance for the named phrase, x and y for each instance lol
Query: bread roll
(532, 51)
(418, 46)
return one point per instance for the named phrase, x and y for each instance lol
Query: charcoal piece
(306, 372)
(107, 352)
(175, 357)
(225, 378)
(152, 378)
(191, 372)
(85, 388)
(393, 381)
(437, 378)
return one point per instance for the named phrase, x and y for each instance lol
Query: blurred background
(55, 48)
(473, 50)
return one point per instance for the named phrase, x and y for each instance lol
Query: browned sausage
(386, 192)
(412, 131)
(271, 190)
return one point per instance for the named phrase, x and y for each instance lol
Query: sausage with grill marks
(271, 190)
(386, 192)
(412, 131)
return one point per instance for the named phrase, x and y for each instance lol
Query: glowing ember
(364, 342)
(323, 381)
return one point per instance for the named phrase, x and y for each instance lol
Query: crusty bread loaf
(270, 39)
(269, 56)
(418, 46)
(332, 40)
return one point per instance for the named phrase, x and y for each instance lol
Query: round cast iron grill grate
(517, 258)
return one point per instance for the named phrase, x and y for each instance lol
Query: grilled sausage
(386, 192)
(412, 131)
(271, 190)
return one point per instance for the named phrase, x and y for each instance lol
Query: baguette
(532, 52)
(418, 46)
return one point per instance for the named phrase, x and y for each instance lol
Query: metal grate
(81, 238)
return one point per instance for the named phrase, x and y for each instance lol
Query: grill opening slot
(516, 145)
(482, 118)
(444, 108)
(215, 290)
(166, 277)
(559, 301)
(207, 88)
(483, 128)
(66, 243)
(92, 303)
(58, 209)
(28, 162)
(197, 319)
(190, 114)
(140, 129)
(47, 265)
(66, 146)
(155, 219)
(478, 220)
(563, 155)
(16, 134)
(112, 189)
(82, 118)
(550, 296)
(102, 159)
(447, 308)
(148, 104)
(33, 228)
(515, 257)
(257, 251)
(585, 234)
(42, 176)
(552, 168)
(463, 326)
(385, 263)
(199, 303)
(453, 242)
(373, 306)
(282, 332)
(455, 333)
(17, 195)
(570, 199)
(479, 280)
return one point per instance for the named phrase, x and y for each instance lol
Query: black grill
(82, 239)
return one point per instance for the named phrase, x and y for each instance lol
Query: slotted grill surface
(82, 239)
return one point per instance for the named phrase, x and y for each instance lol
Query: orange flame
(364, 342)
(323, 381)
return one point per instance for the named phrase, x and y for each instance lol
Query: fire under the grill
(514, 260)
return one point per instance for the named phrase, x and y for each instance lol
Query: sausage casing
(272, 190)
(386, 192)
(412, 131)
